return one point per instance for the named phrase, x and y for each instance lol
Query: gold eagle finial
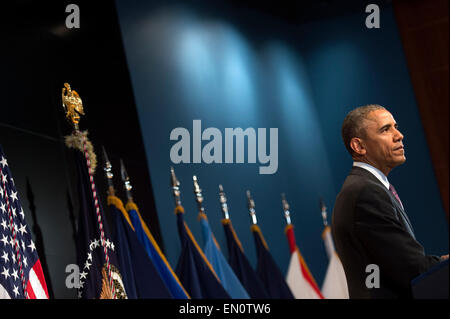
(72, 104)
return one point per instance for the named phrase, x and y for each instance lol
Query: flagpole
(198, 195)
(251, 208)
(175, 187)
(323, 210)
(286, 212)
(73, 106)
(108, 173)
(223, 203)
(326, 234)
(126, 182)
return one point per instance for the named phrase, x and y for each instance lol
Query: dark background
(237, 66)
(38, 54)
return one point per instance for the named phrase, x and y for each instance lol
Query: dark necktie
(403, 214)
(394, 192)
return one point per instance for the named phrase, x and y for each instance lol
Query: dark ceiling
(302, 11)
(43, 14)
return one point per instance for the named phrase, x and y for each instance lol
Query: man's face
(383, 141)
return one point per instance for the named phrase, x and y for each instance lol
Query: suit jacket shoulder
(368, 229)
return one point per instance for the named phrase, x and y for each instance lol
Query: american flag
(21, 274)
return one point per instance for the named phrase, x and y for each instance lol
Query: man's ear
(357, 145)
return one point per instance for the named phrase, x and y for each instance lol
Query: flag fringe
(200, 251)
(225, 222)
(308, 273)
(75, 140)
(326, 230)
(114, 200)
(255, 228)
(179, 210)
(286, 229)
(201, 216)
(132, 206)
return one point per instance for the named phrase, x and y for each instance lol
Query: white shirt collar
(375, 171)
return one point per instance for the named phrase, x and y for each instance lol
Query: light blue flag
(223, 270)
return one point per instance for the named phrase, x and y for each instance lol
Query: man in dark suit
(370, 226)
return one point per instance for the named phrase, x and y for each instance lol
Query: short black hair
(353, 125)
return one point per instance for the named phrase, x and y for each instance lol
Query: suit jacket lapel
(402, 214)
(362, 172)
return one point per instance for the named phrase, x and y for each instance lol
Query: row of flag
(127, 261)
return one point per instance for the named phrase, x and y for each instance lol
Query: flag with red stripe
(21, 275)
(298, 277)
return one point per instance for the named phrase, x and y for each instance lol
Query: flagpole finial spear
(323, 209)
(251, 208)
(223, 202)
(287, 214)
(198, 195)
(175, 187)
(126, 181)
(108, 172)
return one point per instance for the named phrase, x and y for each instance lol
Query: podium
(432, 284)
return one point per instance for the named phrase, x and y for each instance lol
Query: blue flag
(268, 270)
(193, 268)
(96, 251)
(140, 277)
(241, 266)
(154, 252)
(223, 270)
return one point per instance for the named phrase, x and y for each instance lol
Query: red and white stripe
(36, 286)
(299, 278)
